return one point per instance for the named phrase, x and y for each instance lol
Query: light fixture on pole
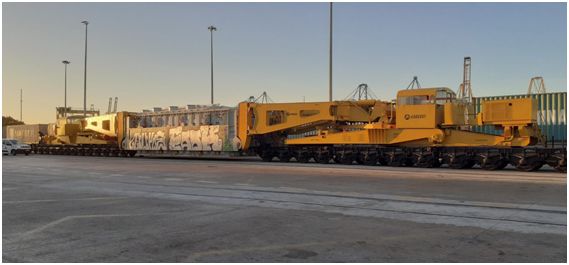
(211, 29)
(65, 104)
(85, 78)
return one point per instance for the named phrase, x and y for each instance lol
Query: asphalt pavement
(108, 209)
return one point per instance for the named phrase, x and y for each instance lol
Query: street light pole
(21, 105)
(211, 29)
(85, 78)
(330, 71)
(65, 106)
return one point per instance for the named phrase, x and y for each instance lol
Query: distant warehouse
(551, 116)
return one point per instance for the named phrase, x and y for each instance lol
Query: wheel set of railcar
(524, 159)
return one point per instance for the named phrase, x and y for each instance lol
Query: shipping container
(552, 114)
(26, 133)
(3, 131)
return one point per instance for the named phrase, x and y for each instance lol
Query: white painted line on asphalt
(243, 184)
(495, 205)
(54, 169)
(94, 173)
(291, 188)
(142, 177)
(210, 182)
(411, 199)
(173, 179)
(83, 199)
(349, 193)
(116, 175)
(52, 224)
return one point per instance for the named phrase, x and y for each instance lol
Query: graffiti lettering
(206, 138)
(147, 141)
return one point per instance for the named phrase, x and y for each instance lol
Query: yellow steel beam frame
(296, 118)
(106, 124)
(419, 124)
(418, 137)
(90, 130)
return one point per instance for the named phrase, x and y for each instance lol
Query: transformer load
(424, 127)
(193, 130)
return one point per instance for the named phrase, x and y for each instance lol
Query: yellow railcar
(424, 127)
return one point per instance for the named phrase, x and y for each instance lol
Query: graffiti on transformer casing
(147, 141)
(206, 138)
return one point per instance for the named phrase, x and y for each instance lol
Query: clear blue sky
(158, 54)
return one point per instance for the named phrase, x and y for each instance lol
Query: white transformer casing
(190, 131)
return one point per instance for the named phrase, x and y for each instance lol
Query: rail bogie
(523, 159)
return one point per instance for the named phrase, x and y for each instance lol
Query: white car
(14, 147)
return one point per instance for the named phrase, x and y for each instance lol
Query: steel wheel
(427, 161)
(529, 164)
(336, 159)
(395, 161)
(323, 158)
(466, 164)
(267, 156)
(370, 160)
(303, 157)
(527, 168)
(284, 156)
(494, 167)
(408, 163)
(494, 163)
(347, 159)
(561, 169)
(461, 162)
